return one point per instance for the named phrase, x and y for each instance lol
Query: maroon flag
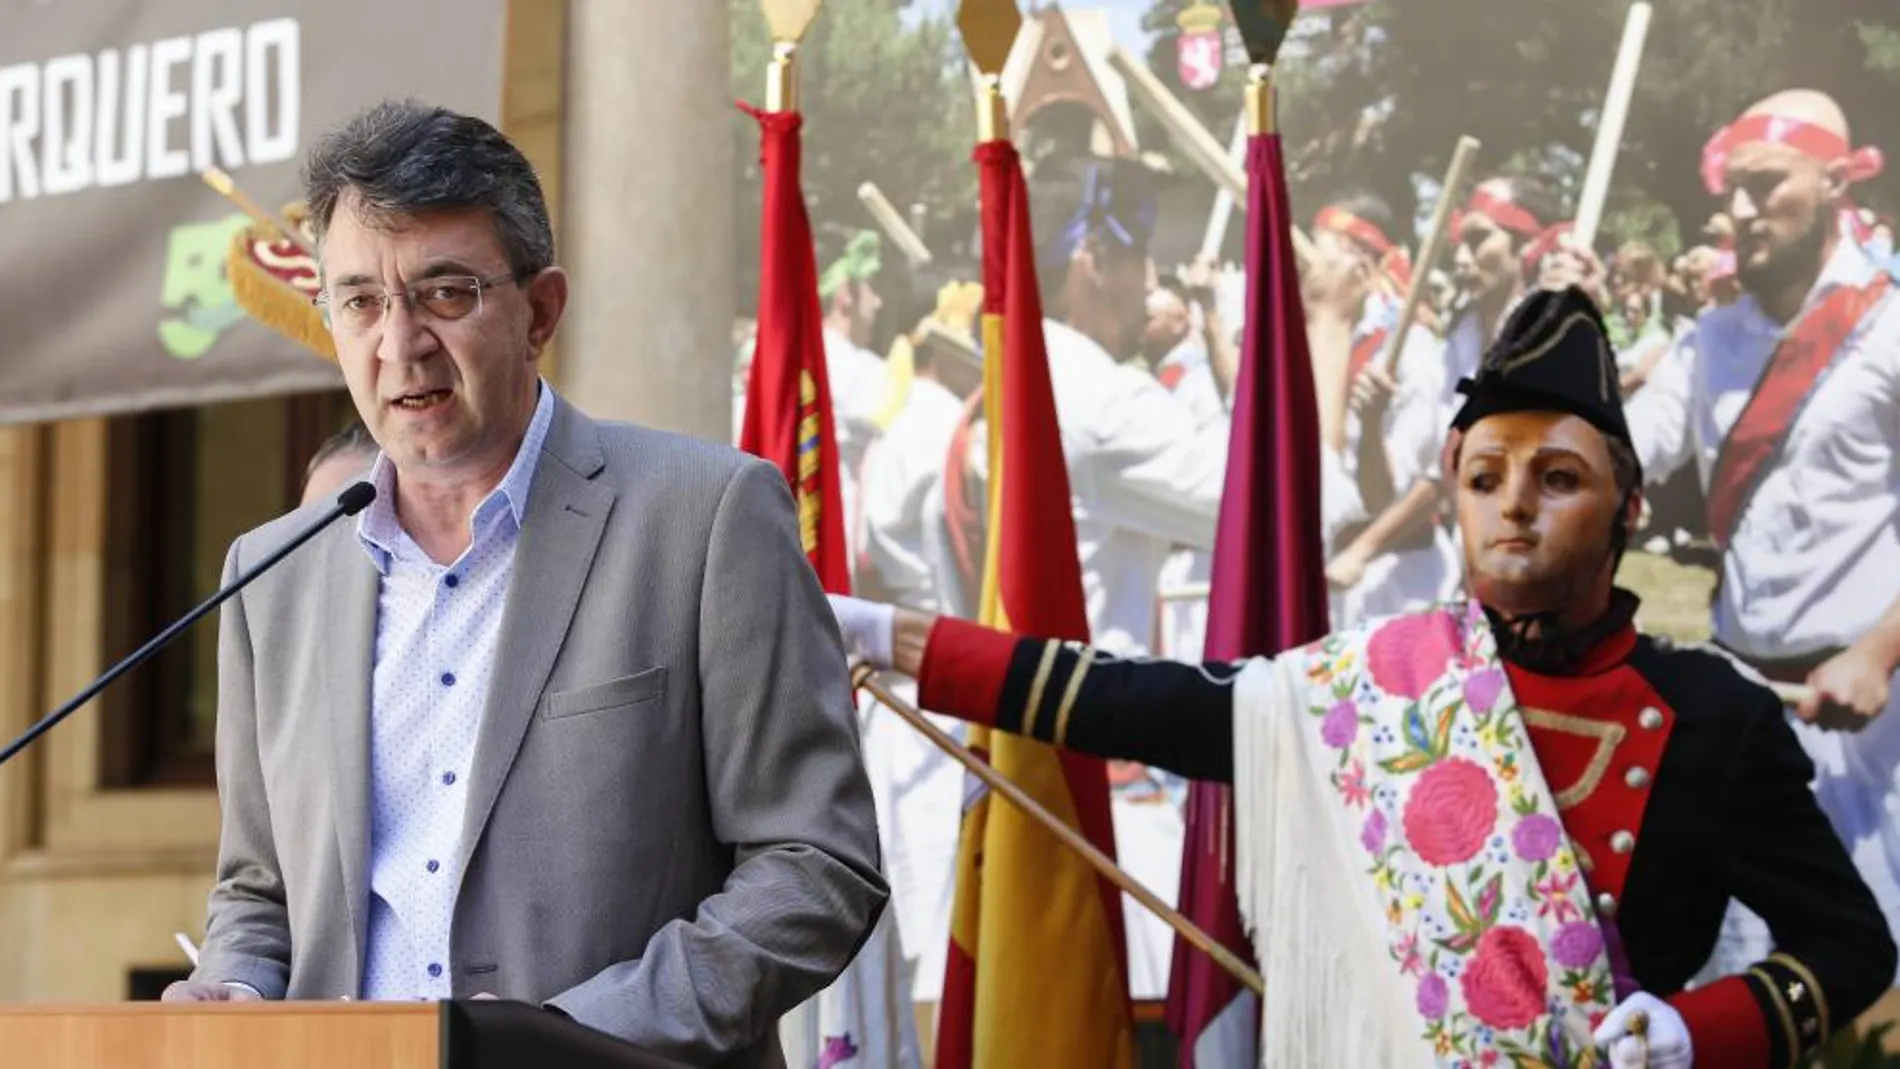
(1268, 592)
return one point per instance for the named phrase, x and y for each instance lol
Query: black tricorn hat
(1552, 355)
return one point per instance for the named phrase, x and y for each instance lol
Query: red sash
(1369, 346)
(1784, 386)
(963, 509)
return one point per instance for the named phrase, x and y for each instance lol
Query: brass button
(1622, 842)
(1637, 777)
(1606, 904)
(1650, 718)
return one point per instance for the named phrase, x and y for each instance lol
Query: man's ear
(1834, 182)
(1632, 511)
(547, 299)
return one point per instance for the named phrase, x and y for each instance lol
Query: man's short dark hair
(405, 159)
(353, 439)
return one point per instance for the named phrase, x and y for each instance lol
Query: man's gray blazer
(669, 833)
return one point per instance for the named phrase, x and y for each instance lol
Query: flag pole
(1455, 175)
(864, 677)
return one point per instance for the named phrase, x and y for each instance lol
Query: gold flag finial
(787, 20)
(1263, 25)
(1260, 117)
(989, 29)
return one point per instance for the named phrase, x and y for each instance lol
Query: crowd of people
(1764, 353)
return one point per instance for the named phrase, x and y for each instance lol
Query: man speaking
(564, 716)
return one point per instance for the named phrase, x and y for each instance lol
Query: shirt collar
(1848, 266)
(381, 532)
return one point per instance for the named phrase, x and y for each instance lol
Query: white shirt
(902, 470)
(1413, 429)
(437, 631)
(859, 383)
(1145, 477)
(1815, 556)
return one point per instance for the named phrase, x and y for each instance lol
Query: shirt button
(1606, 904)
(1622, 842)
(435, 969)
(433, 865)
(448, 779)
(451, 581)
(1637, 777)
(448, 679)
(1650, 719)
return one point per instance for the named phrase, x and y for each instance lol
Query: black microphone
(351, 501)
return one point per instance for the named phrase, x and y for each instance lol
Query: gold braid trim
(1814, 986)
(1049, 651)
(1068, 695)
(1781, 1008)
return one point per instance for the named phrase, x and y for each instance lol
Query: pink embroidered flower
(1452, 808)
(1411, 652)
(1352, 785)
(1536, 837)
(1434, 998)
(1482, 689)
(1555, 892)
(1372, 836)
(1410, 962)
(1341, 725)
(1576, 944)
(1504, 981)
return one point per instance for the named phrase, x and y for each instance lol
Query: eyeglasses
(355, 309)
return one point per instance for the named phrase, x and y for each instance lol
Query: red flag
(788, 395)
(1268, 584)
(1036, 973)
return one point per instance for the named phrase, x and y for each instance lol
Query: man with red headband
(1786, 400)
(1486, 833)
(1503, 234)
(1378, 564)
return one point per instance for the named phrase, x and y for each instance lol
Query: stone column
(647, 226)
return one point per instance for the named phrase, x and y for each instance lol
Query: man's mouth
(421, 400)
(1515, 542)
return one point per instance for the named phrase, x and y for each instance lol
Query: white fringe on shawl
(1334, 998)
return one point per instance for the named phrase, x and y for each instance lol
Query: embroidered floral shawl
(1411, 891)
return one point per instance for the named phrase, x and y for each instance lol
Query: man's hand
(1371, 393)
(1346, 570)
(1666, 1046)
(1571, 264)
(207, 991)
(1847, 691)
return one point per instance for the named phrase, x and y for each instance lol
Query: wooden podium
(306, 1035)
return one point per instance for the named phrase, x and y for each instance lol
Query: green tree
(1376, 95)
(886, 99)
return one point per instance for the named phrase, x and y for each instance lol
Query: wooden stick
(863, 677)
(220, 181)
(1223, 208)
(1201, 147)
(1186, 592)
(1792, 694)
(1461, 158)
(1609, 141)
(899, 231)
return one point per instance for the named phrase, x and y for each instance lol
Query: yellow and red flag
(788, 414)
(1037, 976)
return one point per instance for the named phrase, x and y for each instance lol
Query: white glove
(867, 627)
(1668, 1042)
